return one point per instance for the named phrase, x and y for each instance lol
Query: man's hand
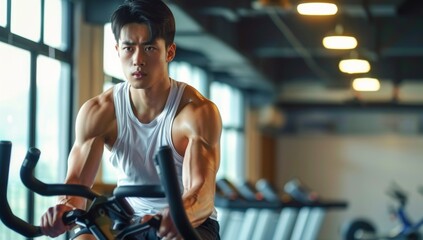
(167, 229)
(51, 222)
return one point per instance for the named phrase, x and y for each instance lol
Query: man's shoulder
(101, 105)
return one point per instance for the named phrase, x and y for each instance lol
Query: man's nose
(138, 58)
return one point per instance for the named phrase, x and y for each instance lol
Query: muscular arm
(92, 124)
(201, 160)
(94, 121)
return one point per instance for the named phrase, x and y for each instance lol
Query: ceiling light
(338, 40)
(354, 65)
(366, 84)
(317, 8)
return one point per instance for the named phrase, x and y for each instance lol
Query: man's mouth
(138, 74)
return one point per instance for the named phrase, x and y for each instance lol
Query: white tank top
(137, 143)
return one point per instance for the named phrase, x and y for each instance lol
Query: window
(52, 98)
(189, 74)
(112, 68)
(35, 100)
(26, 19)
(13, 124)
(111, 62)
(54, 30)
(3, 13)
(229, 100)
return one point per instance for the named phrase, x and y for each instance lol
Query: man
(133, 119)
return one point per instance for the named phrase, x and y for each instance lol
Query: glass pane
(52, 122)
(111, 64)
(190, 74)
(108, 172)
(232, 164)
(230, 104)
(54, 20)
(14, 79)
(229, 101)
(3, 13)
(199, 80)
(26, 19)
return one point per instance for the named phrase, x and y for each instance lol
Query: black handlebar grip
(70, 217)
(155, 221)
(31, 158)
(6, 214)
(35, 185)
(166, 169)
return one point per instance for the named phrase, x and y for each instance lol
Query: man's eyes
(149, 48)
(131, 49)
(128, 49)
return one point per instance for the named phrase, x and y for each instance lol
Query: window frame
(37, 48)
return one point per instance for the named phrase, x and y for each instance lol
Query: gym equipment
(239, 208)
(107, 218)
(300, 192)
(364, 229)
(269, 217)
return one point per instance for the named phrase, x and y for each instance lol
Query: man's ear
(171, 51)
(117, 49)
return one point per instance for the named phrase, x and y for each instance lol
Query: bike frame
(406, 225)
(101, 208)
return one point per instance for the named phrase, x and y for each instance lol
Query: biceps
(200, 163)
(84, 161)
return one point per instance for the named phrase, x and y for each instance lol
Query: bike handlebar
(164, 165)
(166, 169)
(9, 219)
(28, 179)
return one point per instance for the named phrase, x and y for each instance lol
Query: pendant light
(338, 40)
(317, 7)
(366, 84)
(354, 64)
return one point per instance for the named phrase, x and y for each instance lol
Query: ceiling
(271, 47)
(271, 50)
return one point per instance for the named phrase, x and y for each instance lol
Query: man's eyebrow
(131, 43)
(128, 42)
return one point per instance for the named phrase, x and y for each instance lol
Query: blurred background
(346, 118)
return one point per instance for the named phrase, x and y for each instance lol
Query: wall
(355, 168)
(88, 63)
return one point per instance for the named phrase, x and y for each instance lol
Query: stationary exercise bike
(107, 218)
(363, 229)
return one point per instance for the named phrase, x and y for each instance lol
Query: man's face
(143, 62)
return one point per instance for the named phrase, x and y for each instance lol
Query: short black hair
(154, 13)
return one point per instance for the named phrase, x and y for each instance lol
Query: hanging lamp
(354, 64)
(317, 7)
(366, 84)
(339, 40)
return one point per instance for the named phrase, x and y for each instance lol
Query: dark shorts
(208, 230)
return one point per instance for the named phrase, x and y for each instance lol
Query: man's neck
(148, 103)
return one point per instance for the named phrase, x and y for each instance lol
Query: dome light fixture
(338, 40)
(366, 84)
(319, 8)
(354, 65)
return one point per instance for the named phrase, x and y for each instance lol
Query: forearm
(83, 163)
(73, 201)
(199, 202)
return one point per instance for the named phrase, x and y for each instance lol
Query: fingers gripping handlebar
(164, 165)
(166, 169)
